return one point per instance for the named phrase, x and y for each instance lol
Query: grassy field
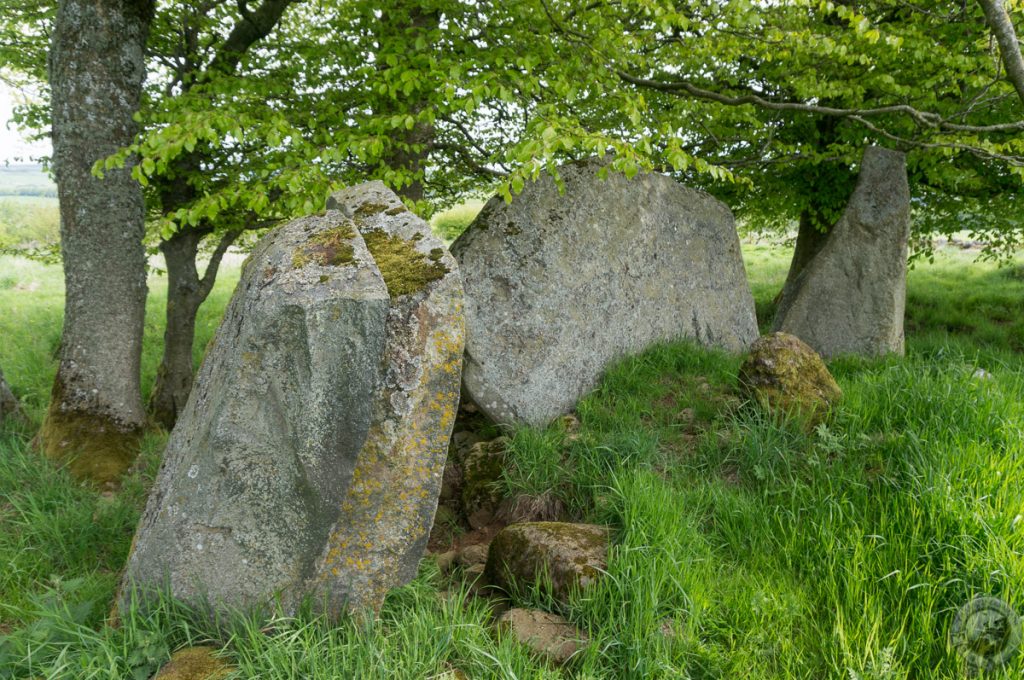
(743, 547)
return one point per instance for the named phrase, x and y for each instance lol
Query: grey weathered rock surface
(557, 286)
(850, 298)
(8, 403)
(786, 376)
(309, 456)
(549, 635)
(572, 556)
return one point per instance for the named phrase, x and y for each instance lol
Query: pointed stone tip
(351, 200)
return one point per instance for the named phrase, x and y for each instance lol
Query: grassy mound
(743, 546)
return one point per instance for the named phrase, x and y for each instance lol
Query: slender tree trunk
(96, 73)
(1009, 46)
(186, 291)
(809, 241)
(8, 403)
(407, 20)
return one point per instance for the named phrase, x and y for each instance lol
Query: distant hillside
(25, 180)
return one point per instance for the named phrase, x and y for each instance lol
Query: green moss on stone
(368, 209)
(329, 248)
(194, 663)
(405, 269)
(540, 554)
(786, 377)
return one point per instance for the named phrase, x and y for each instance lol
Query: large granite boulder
(850, 298)
(308, 459)
(788, 378)
(559, 285)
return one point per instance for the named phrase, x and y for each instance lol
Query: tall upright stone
(850, 298)
(559, 285)
(308, 459)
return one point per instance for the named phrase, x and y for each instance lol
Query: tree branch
(210, 275)
(924, 118)
(1009, 47)
(254, 26)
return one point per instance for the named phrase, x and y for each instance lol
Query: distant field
(26, 180)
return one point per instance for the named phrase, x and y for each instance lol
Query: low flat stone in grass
(194, 663)
(548, 635)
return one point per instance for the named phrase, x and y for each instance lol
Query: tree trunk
(186, 291)
(96, 72)
(8, 403)
(809, 241)
(1009, 46)
(407, 20)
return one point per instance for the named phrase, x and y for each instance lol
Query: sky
(13, 146)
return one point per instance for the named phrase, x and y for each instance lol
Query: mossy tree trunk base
(97, 64)
(94, 449)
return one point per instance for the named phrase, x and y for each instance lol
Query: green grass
(743, 547)
(449, 224)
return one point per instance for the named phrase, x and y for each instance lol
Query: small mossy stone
(194, 663)
(557, 556)
(786, 377)
(481, 467)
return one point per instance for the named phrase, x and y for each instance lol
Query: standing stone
(308, 459)
(850, 298)
(559, 285)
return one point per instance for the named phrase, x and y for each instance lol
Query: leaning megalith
(558, 285)
(850, 298)
(308, 460)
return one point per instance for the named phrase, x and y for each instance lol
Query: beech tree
(8, 402)
(96, 68)
(181, 30)
(252, 114)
